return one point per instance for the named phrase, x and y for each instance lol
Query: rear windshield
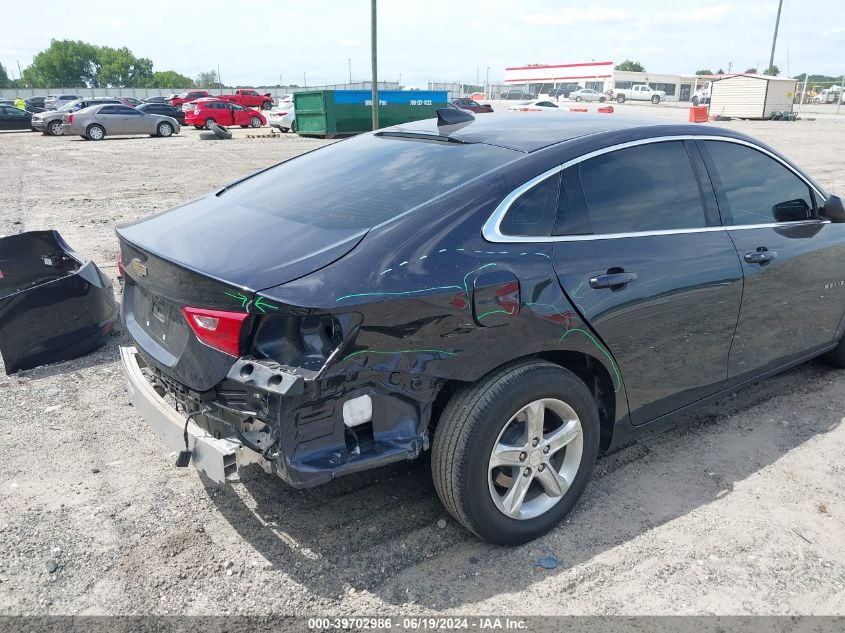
(366, 180)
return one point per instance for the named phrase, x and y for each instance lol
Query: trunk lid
(239, 245)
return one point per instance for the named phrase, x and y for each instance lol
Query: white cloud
(574, 16)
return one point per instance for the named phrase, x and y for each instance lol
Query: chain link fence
(143, 93)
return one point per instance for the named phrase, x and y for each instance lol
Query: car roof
(528, 132)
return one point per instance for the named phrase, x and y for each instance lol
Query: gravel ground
(740, 512)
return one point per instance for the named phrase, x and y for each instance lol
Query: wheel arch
(588, 368)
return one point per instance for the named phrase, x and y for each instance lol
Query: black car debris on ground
(54, 304)
(516, 294)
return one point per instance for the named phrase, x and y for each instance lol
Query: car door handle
(612, 280)
(760, 256)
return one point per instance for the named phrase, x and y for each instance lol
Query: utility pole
(218, 76)
(374, 60)
(487, 84)
(803, 93)
(774, 40)
(841, 92)
(349, 61)
(304, 82)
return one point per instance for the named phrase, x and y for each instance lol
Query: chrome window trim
(492, 233)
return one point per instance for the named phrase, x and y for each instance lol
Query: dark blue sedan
(517, 294)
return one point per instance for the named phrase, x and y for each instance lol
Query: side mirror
(833, 209)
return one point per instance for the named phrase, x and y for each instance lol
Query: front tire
(695, 101)
(655, 99)
(55, 129)
(602, 99)
(255, 122)
(513, 452)
(577, 99)
(95, 132)
(164, 129)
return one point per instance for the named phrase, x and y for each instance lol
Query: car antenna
(453, 116)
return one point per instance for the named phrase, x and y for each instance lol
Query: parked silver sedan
(99, 121)
(588, 94)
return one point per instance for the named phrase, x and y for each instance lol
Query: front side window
(533, 213)
(758, 189)
(644, 188)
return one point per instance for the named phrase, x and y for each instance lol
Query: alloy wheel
(535, 458)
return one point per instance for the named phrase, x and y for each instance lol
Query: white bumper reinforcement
(217, 458)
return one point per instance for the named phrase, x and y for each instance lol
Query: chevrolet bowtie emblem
(138, 267)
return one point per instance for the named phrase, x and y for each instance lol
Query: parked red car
(471, 105)
(223, 113)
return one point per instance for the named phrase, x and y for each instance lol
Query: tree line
(69, 63)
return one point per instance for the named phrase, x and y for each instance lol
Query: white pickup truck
(639, 93)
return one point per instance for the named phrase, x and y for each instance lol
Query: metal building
(751, 96)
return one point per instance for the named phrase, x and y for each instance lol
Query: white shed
(751, 96)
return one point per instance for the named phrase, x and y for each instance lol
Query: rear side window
(644, 188)
(759, 189)
(533, 213)
(366, 180)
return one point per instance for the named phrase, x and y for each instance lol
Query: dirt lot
(740, 512)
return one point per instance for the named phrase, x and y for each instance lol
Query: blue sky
(257, 42)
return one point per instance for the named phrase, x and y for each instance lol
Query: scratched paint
(401, 351)
(458, 250)
(602, 349)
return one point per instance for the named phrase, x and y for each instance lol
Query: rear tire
(209, 122)
(483, 420)
(95, 132)
(695, 101)
(620, 99)
(267, 105)
(293, 127)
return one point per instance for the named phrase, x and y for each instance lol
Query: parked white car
(588, 94)
(638, 93)
(283, 119)
(529, 106)
(702, 95)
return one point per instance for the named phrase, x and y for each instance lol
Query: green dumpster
(329, 113)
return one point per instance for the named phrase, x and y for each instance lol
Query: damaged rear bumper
(217, 458)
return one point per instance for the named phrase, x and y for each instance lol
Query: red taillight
(120, 273)
(70, 118)
(217, 329)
